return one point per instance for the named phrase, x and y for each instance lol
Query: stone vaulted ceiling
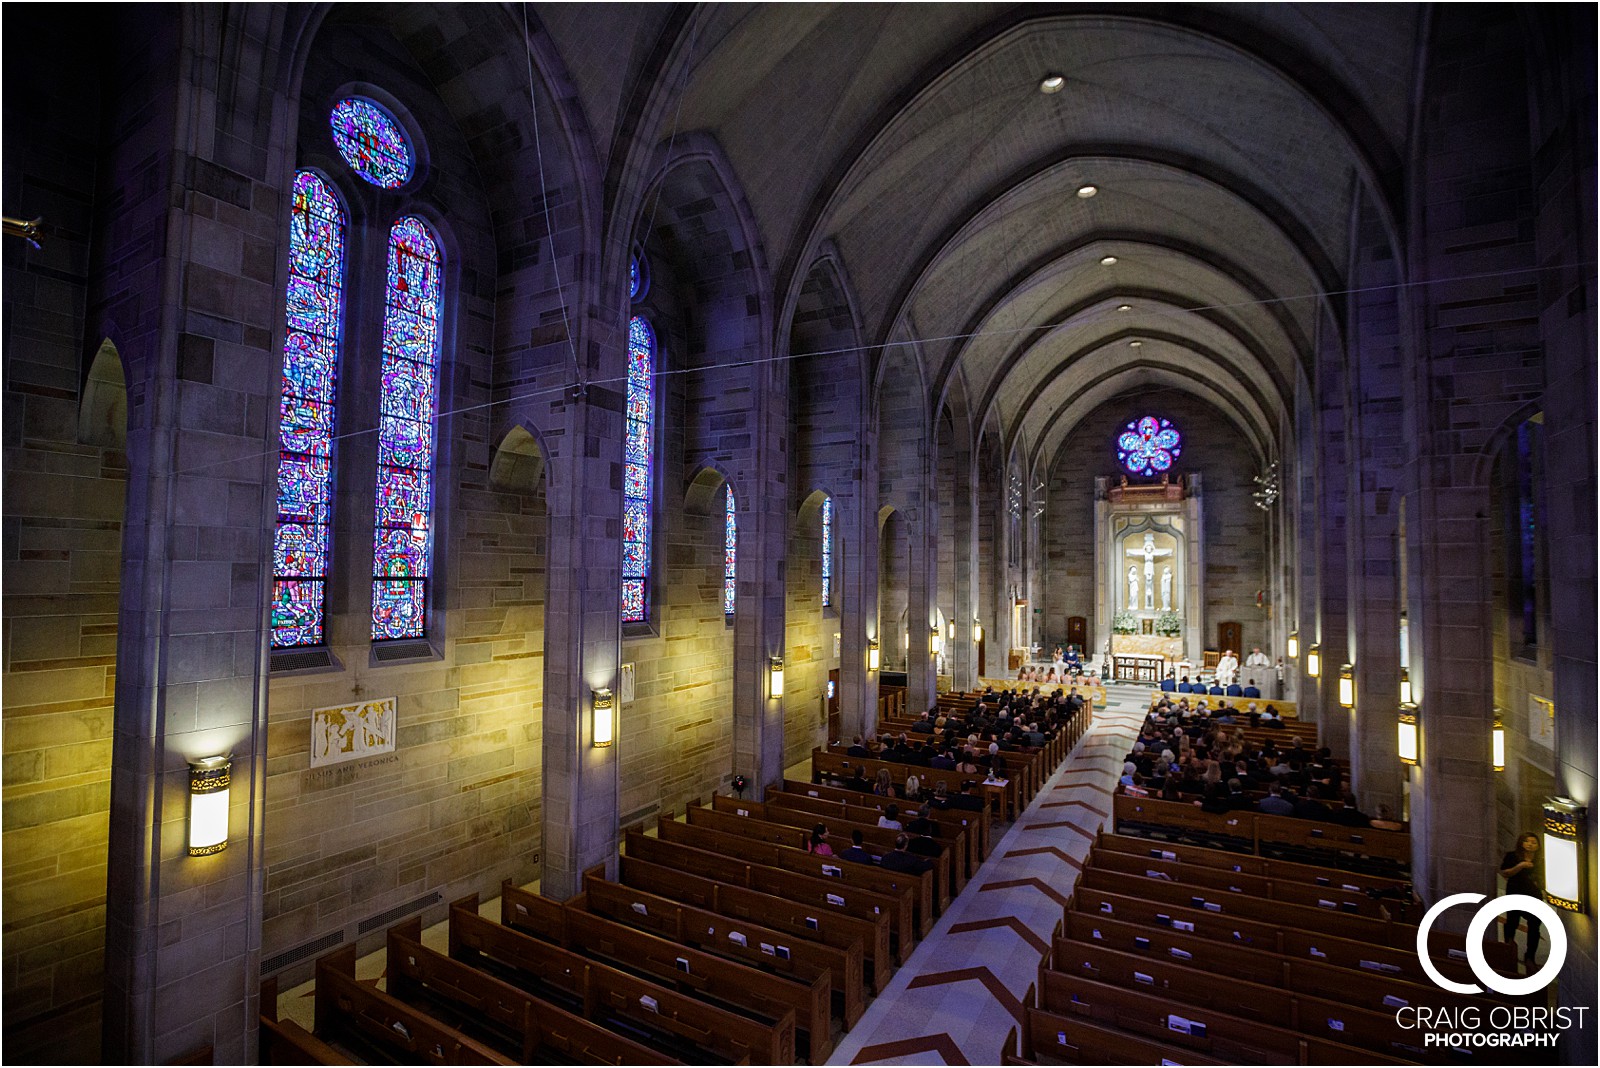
(1226, 143)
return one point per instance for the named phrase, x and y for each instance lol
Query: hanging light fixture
(1347, 686)
(209, 779)
(775, 675)
(1405, 687)
(1566, 853)
(935, 642)
(1294, 645)
(1408, 734)
(1497, 742)
(873, 657)
(1314, 661)
(977, 630)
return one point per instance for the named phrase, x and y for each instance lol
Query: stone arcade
(515, 394)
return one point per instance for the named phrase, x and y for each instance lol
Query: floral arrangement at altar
(1169, 624)
(1123, 622)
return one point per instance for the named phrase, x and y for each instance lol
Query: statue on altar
(1133, 586)
(1148, 552)
(1166, 589)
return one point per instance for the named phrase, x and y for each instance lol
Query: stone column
(1194, 591)
(964, 664)
(758, 626)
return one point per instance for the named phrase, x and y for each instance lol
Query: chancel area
(799, 533)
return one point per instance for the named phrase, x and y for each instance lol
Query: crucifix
(1149, 554)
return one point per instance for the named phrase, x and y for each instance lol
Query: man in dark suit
(1216, 690)
(1251, 690)
(857, 749)
(1184, 687)
(898, 859)
(1274, 803)
(1310, 807)
(1349, 815)
(1234, 690)
(856, 853)
(966, 799)
(1169, 684)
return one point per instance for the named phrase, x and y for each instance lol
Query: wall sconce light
(604, 719)
(1314, 661)
(1497, 742)
(1347, 686)
(950, 630)
(209, 780)
(1566, 853)
(873, 656)
(775, 675)
(1294, 645)
(977, 631)
(935, 642)
(1408, 734)
(1405, 686)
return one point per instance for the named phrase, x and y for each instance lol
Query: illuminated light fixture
(1052, 83)
(1294, 645)
(1497, 742)
(874, 658)
(1314, 661)
(604, 719)
(1566, 848)
(209, 780)
(1135, 344)
(935, 642)
(1107, 261)
(1347, 687)
(1124, 307)
(1405, 686)
(1086, 191)
(977, 631)
(950, 630)
(775, 675)
(1408, 734)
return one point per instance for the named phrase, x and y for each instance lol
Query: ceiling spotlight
(1135, 344)
(1086, 191)
(1107, 261)
(1053, 83)
(1124, 307)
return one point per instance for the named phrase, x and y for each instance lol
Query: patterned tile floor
(964, 987)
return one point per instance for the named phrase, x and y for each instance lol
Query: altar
(1149, 567)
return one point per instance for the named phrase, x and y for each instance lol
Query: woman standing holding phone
(1520, 869)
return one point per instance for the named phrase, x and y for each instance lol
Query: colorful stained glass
(312, 316)
(827, 552)
(372, 142)
(297, 612)
(633, 278)
(1148, 446)
(636, 488)
(407, 407)
(730, 557)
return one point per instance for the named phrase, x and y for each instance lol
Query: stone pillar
(856, 521)
(583, 635)
(964, 663)
(920, 585)
(758, 626)
(1194, 586)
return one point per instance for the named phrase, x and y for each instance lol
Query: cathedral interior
(693, 376)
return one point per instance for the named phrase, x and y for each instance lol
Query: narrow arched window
(301, 539)
(827, 552)
(636, 471)
(407, 407)
(730, 558)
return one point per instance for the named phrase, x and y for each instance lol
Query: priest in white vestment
(1227, 668)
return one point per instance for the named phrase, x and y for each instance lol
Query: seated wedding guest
(857, 749)
(890, 819)
(1348, 815)
(818, 842)
(1274, 803)
(856, 853)
(1251, 689)
(1169, 684)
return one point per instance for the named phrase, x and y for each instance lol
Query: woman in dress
(818, 842)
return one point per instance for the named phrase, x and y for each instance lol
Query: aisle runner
(962, 990)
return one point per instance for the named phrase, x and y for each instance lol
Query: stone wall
(1235, 530)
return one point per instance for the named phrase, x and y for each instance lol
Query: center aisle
(964, 987)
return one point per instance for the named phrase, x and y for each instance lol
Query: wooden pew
(1260, 887)
(1303, 840)
(864, 941)
(1001, 799)
(903, 894)
(1397, 960)
(876, 840)
(948, 831)
(1277, 870)
(1193, 1026)
(656, 1014)
(975, 823)
(734, 984)
(286, 1042)
(368, 1016)
(544, 1032)
(761, 947)
(1261, 1003)
(1052, 1038)
(826, 894)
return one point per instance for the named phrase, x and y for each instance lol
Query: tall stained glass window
(827, 552)
(730, 558)
(403, 535)
(372, 142)
(636, 484)
(300, 544)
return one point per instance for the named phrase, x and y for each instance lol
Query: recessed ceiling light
(1135, 344)
(1124, 307)
(1086, 191)
(1107, 261)
(1053, 83)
